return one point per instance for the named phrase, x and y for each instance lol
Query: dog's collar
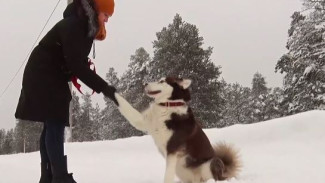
(172, 104)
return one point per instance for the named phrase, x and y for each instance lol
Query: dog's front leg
(131, 114)
(171, 161)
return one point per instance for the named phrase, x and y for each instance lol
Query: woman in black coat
(45, 94)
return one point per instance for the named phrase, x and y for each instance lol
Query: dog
(178, 136)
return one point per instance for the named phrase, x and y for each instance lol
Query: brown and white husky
(178, 136)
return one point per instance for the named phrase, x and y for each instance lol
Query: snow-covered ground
(285, 150)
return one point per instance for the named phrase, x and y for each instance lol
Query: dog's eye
(162, 81)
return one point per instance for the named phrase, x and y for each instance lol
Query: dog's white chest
(156, 120)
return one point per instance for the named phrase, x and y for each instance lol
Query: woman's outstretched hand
(109, 91)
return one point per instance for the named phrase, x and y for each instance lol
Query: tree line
(178, 51)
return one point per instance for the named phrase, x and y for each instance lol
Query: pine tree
(112, 121)
(75, 115)
(131, 85)
(2, 139)
(8, 143)
(20, 136)
(258, 85)
(314, 5)
(27, 135)
(96, 123)
(258, 99)
(178, 52)
(134, 79)
(237, 104)
(273, 108)
(304, 63)
(82, 130)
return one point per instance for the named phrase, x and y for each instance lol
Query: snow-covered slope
(285, 150)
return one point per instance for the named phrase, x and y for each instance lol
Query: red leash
(74, 79)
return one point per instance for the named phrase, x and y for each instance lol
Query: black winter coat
(63, 52)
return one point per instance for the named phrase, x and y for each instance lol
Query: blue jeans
(52, 141)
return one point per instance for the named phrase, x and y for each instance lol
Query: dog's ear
(185, 83)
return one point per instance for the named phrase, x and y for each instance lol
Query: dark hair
(81, 12)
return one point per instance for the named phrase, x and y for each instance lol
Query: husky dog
(178, 136)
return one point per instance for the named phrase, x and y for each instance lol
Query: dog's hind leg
(131, 114)
(171, 161)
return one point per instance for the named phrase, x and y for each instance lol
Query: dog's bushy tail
(226, 162)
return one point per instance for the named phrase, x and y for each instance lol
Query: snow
(309, 69)
(283, 150)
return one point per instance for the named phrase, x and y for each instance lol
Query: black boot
(46, 174)
(60, 172)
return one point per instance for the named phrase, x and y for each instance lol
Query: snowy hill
(285, 150)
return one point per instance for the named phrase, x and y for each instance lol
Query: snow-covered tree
(132, 85)
(75, 116)
(96, 126)
(178, 51)
(237, 100)
(26, 135)
(82, 130)
(135, 77)
(114, 124)
(273, 108)
(250, 105)
(257, 104)
(2, 139)
(259, 85)
(304, 63)
(110, 114)
(7, 146)
(314, 4)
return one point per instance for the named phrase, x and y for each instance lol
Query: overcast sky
(247, 36)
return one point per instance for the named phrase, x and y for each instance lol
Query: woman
(45, 95)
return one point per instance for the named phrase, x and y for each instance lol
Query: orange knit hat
(106, 6)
